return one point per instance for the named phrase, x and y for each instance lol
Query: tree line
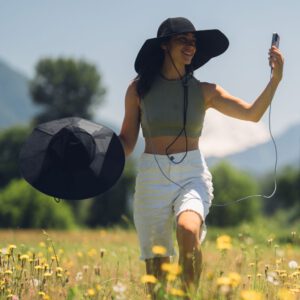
(67, 87)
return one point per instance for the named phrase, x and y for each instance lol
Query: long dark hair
(147, 75)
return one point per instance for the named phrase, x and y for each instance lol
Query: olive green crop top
(162, 108)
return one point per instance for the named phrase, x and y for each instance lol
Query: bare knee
(188, 228)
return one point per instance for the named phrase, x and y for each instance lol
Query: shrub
(21, 206)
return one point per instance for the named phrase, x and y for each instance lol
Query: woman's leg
(190, 255)
(153, 267)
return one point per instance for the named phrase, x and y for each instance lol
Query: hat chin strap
(184, 80)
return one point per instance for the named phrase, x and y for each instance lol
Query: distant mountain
(16, 106)
(261, 158)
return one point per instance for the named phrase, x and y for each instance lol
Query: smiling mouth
(188, 54)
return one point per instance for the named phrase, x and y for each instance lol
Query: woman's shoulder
(132, 94)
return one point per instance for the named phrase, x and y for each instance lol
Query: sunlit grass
(241, 263)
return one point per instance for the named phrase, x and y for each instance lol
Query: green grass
(104, 264)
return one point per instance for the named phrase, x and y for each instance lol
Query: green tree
(231, 184)
(11, 141)
(24, 207)
(288, 190)
(108, 208)
(65, 88)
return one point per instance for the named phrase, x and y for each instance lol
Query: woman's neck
(171, 71)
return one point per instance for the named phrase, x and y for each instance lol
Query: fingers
(275, 57)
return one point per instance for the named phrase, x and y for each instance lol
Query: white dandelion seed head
(119, 288)
(79, 276)
(293, 264)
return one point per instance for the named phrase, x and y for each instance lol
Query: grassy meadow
(252, 261)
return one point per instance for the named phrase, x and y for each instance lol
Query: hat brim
(101, 174)
(209, 43)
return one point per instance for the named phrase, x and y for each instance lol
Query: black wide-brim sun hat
(209, 43)
(72, 158)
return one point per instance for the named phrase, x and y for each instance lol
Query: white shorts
(163, 191)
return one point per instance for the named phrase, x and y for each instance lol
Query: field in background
(249, 262)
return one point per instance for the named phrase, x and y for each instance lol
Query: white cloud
(223, 135)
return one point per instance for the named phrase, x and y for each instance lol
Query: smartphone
(275, 40)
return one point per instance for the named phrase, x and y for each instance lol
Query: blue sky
(110, 33)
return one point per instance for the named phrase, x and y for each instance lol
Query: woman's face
(182, 48)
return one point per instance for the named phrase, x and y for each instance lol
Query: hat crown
(73, 148)
(172, 26)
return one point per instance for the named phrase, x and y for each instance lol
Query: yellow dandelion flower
(223, 281)
(24, 257)
(98, 287)
(171, 277)
(38, 267)
(251, 295)
(171, 268)
(92, 252)
(91, 292)
(8, 272)
(42, 245)
(224, 242)
(177, 292)
(12, 247)
(41, 294)
(159, 250)
(148, 279)
(47, 274)
(285, 294)
(59, 270)
(235, 278)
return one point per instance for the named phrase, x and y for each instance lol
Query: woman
(170, 104)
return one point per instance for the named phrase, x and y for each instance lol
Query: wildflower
(223, 281)
(177, 292)
(91, 292)
(235, 279)
(293, 264)
(92, 252)
(35, 282)
(42, 244)
(79, 276)
(159, 250)
(38, 267)
(85, 268)
(102, 252)
(59, 270)
(272, 278)
(251, 295)
(285, 294)
(12, 247)
(173, 268)
(8, 272)
(119, 288)
(224, 242)
(148, 279)
(98, 287)
(24, 257)
(47, 274)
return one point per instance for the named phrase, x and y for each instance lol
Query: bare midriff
(158, 145)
